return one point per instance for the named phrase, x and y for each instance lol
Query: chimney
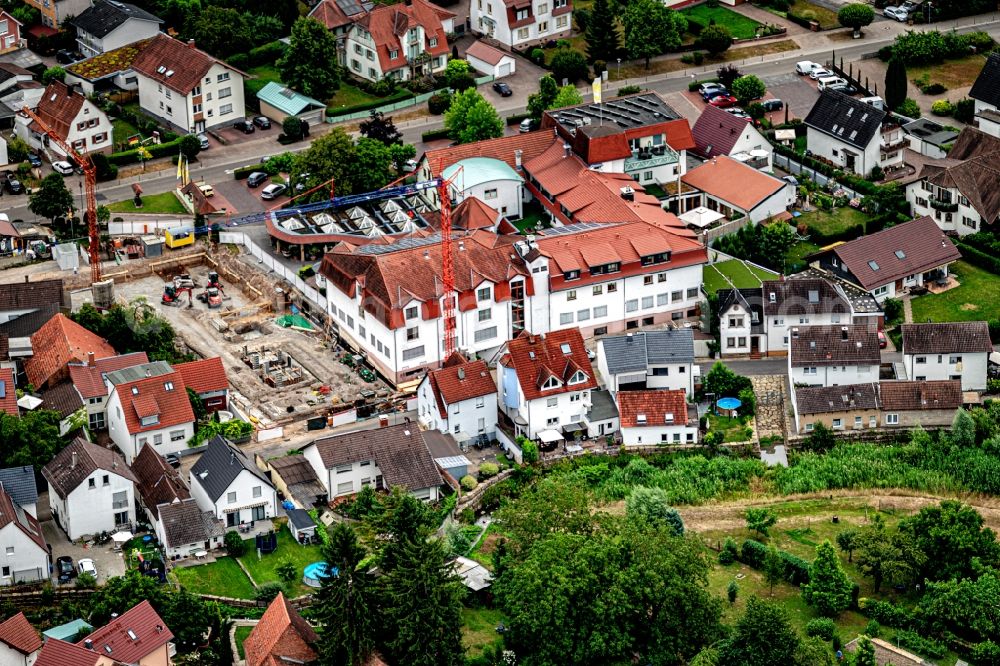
(461, 373)
(517, 158)
(427, 254)
(566, 150)
(90, 359)
(461, 246)
(89, 644)
(72, 461)
(843, 334)
(25, 279)
(190, 43)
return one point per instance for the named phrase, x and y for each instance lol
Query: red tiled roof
(833, 344)
(8, 398)
(535, 358)
(152, 398)
(716, 132)
(17, 633)
(654, 406)
(188, 64)
(329, 13)
(455, 383)
(60, 653)
(921, 242)
(679, 134)
(57, 343)
(735, 183)
(131, 636)
(89, 379)
(157, 482)
(281, 632)
(388, 23)
(474, 214)
(204, 376)
(531, 145)
(58, 107)
(30, 527)
(486, 53)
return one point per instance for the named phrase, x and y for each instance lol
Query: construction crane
(90, 186)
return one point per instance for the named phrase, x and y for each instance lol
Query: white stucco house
(19, 641)
(854, 135)
(382, 458)
(109, 24)
(657, 418)
(490, 180)
(88, 380)
(91, 490)
(72, 117)
(831, 355)
(717, 132)
(658, 359)
(226, 483)
(401, 41)
(460, 399)
(986, 93)
(490, 61)
(956, 350)
(521, 23)
(26, 555)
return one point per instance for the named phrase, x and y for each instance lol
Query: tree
(856, 15)
(963, 430)
(346, 602)
(727, 74)
(458, 75)
(568, 96)
(372, 166)
(32, 439)
(748, 88)
(776, 239)
(895, 83)
(774, 568)
(471, 118)
(732, 590)
(132, 328)
(885, 555)
(382, 129)
(821, 439)
(828, 589)
(602, 33)
(307, 65)
(847, 541)
(762, 637)
(865, 655)
(53, 74)
(569, 65)
(814, 652)
(539, 101)
(190, 146)
(652, 507)
(291, 127)
(328, 157)
(222, 31)
(529, 450)
(760, 519)
(651, 29)
(554, 506)
(234, 544)
(197, 406)
(52, 199)
(400, 154)
(287, 571)
(715, 39)
(725, 383)
(951, 536)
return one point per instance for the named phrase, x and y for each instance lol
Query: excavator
(172, 295)
(212, 297)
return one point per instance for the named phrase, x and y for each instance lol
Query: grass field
(240, 635)
(740, 274)
(733, 429)
(950, 73)
(796, 257)
(739, 26)
(832, 222)
(121, 130)
(809, 10)
(348, 95)
(479, 628)
(638, 68)
(973, 300)
(222, 577)
(166, 203)
(266, 73)
(263, 570)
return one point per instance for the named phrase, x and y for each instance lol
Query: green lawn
(832, 222)
(483, 552)
(809, 10)
(166, 203)
(740, 274)
(735, 430)
(950, 73)
(349, 95)
(795, 259)
(222, 577)
(121, 130)
(479, 629)
(240, 635)
(975, 299)
(266, 73)
(534, 215)
(262, 570)
(739, 26)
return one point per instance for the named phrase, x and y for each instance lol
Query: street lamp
(619, 69)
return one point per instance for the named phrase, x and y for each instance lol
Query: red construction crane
(90, 187)
(447, 269)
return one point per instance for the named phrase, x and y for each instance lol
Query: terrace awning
(550, 436)
(570, 428)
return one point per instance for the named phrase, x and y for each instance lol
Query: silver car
(272, 191)
(899, 13)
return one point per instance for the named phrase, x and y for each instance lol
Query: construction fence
(268, 262)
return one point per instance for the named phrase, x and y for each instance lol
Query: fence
(395, 106)
(266, 261)
(796, 168)
(724, 229)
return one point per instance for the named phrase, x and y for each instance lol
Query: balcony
(943, 206)
(648, 158)
(889, 146)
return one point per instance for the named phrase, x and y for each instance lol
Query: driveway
(797, 92)
(243, 199)
(523, 81)
(108, 562)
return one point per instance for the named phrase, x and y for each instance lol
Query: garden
(166, 203)
(975, 299)
(841, 222)
(734, 273)
(738, 25)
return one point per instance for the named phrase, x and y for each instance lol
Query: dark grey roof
(300, 520)
(827, 399)
(635, 352)
(952, 337)
(26, 325)
(62, 398)
(987, 86)
(845, 118)
(19, 483)
(293, 469)
(616, 115)
(802, 297)
(834, 344)
(399, 451)
(930, 132)
(602, 406)
(105, 16)
(137, 372)
(751, 299)
(183, 523)
(219, 466)
(79, 460)
(32, 295)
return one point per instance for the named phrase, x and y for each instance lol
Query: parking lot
(242, 198)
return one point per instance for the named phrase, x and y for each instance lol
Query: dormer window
(640, 419)
(571, 275)
(668, 418)
(168, 386)
(522, 14)
(135, 390)
(658, 258)
(550, 383)
(149, 420)
(578, 378)
(393, 54)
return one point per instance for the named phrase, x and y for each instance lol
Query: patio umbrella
(121, 537)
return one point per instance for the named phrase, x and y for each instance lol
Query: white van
(804, 67)
(876, 101)
(828, 81)
(206, 189)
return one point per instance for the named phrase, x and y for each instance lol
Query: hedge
(516, 118)
(397, 96)
(977, 257)
(850, 180)
(885, 613)
(158, 150)
(753, 553)
(924, 646)
(242, 172)
(434, 135)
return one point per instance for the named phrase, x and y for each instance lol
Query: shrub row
(694, 85)
(397, 96)
(753, 553)
(924, 646)
(977, 257)
(265, 54)
(243, 172)
(159, 150)
(823, 239)
(854, 182)
(885, 613)
(516, 118)
(434, 135)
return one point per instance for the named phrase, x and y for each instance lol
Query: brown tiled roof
(834, 345)
(187, 63)
(826, 399)
(913, 396)
(185, 523)
(63, 476)
(802, 297)
(905, 249)
(716, 132)
(485, 52)
(89, 379)
(733, 182)
(531, 145)
(156, 481)
(973, 167)
(971, 337)
(456, 383)
(30, 295)
(535, 358)
(17, 633)
(27, 523)
(8, 396)
(399, 451)
(653, 406)
(293, 469)
(280, 635)
(474, 214)
(60, 653)
(150, 396)
(329, 13)
(61, 398)
(131, 636)
(59, 107)
(388, 23)
(205, 375)
(56, 344)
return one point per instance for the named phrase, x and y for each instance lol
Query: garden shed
(301, 525)
(278, 102)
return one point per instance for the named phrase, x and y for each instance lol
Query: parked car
(503, 89)
(34, 160)
(410, 165)
(711, 85)
(773, 104)
(738, 112)
(173, 459)
(828, 81)
(14, 186)
(845, 88)
(67, 57)
(792, 180)
(804, 67)
(300, 186)
(86, 566)
(63, 167)
(526, 125)
(244, 126)
(709, 95)
(900, 14)
(272, 191)
(820, 73)
(64, 568)
(262, 122)
(256, 179)
(204, 141)
(723, 101)
(882, 343)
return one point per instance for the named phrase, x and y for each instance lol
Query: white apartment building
(377, 47)
(833, 355)
(953, 350)
(460, 399)
(490, 180)
(661, 359)
(110, 24)
(26, 555)
(520, 23)
(226, 483)
(72, 117)
(187, 88)
(88, 379)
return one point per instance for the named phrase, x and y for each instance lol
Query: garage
(489, 60)
(278, 102)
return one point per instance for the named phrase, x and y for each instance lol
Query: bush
(729, 552)
(439, 103)
(239, 61)
(942, 107)
(168, 149)
(823, 627)
(965, 110)
(266, 54)
(488, 470)
(893, 308)
(434, 135)
(529, 452)
(694, 85)
(979, 258)
(986, 652)
(753, 553)
(885, 613)
(599, 67)
(873, 629)
(909, 108)
(468, 482)
(732, 590)
(569, 64)
(876, 174)
(933, 89)
(917, 643)
(86, 581)
(234, 544)
(538, 55)
(268, 591)
(796, 568)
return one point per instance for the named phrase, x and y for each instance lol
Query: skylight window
(131, 634)
(565, 348)
(849, 112)
(900, 254)
(161, 69)
(873, 265)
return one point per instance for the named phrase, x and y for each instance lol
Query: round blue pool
(315, 573)
(730, 403)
